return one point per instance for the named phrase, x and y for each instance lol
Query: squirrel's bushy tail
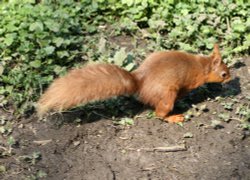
(90, 83)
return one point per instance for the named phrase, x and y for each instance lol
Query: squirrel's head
(219, 72)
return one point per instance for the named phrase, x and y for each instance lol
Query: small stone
(76, 143)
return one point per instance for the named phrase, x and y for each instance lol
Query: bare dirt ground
(74, 146)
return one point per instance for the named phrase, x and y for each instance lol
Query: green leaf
(2, 169)
(185, 47)
(128, 2)
(49, 50)
(156, 24)
(35, 64)
(9, 39)
(120, 57)
(227, 105)
(52, 25)
(224, 116)
(180, 124)
(1, 69)
(62, 54)
(130, 66)
(41, 174)
(59, 70)
(210, 42)
(215, 123)
(150, 115)
(58, 41)
(2, 129)
(239, 27)
(36, 26)
(1, 31)
(36, 155)
(11, 141)
(125, 121)
(171, 1)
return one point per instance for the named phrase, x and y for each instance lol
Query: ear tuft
(216, 52)
(216, 56)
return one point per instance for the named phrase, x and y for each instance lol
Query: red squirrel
(158, 81)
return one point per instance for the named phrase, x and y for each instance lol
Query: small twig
(150, 168)
(98, 114)
(236, 119)
(6, 110)
(228, 24)
(16, 173)
(163, 149)
(170, 148)
(139, 116)
(5, 149)
(42, 142)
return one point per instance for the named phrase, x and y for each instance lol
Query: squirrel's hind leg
(166, 105)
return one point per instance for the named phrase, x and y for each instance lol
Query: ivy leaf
(128, 2)
(215, 123)
(225, 117)
(52, 25)
(62, 54)
(58, 41)
(185, 46)
(2, 169)
(1, 69)
(35, 64)
(210, 42)
(239, 27)
(41, 174)
(59, 70)
(49, 50)
(171, 1)
(36, 26)
(125, 121)
(11, 141)
(120, 57)
(9, 38)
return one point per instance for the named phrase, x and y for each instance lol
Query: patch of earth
(101, 150)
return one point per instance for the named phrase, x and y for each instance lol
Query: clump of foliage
(37, 42)
(188, 25)
(40, 41)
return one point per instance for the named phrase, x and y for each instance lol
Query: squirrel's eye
(223, 74)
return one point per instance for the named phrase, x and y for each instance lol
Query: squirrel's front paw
(175, 118)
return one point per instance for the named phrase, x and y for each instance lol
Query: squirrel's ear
(216, 56)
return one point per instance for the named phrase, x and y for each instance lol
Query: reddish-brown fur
(159, 81)
(79, 86)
